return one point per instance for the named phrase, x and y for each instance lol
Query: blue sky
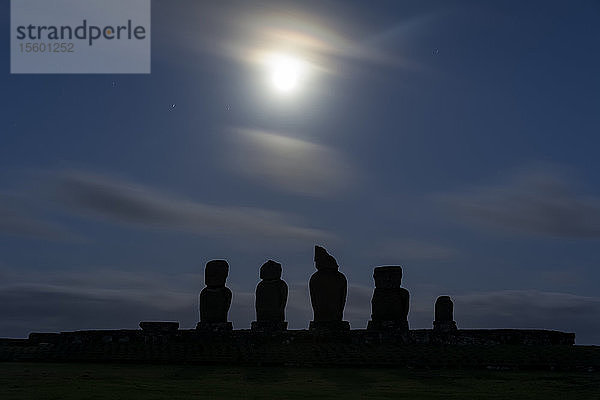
(458, 139)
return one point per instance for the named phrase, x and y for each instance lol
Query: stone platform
(419, 348)
(488, 337)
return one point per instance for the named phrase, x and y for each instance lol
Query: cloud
(290, 164)
(535, 202)
(311, 37)
(18, 220)
(245, 34)
(42, 301)
(111, 299)
(409, 249)
(98, 299)
(512, 309)
(127, 203)
(531, 309)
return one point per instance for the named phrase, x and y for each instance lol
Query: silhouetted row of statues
(328, 289)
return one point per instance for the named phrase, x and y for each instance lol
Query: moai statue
(444, 315)
(215, 298)
(271, 298)
(390, 302)
(328, 288)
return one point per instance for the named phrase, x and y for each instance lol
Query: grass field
(118, 381)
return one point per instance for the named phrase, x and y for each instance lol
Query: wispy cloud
(100, 298)
(240, 32)
(512, 309)
(290, 164)
(111, 299)
(249, 33)
(535, 201)
(410, 249)
(124, 202)
(313, 37)
(16, 219)
(531, 309)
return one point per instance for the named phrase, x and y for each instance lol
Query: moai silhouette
(328, 288)
(390, 302)
(271, 298)
(215, 298)
(444, 315)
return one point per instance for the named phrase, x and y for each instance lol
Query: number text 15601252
(47, 47)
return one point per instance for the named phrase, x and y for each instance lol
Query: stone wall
(359, 336)
(504, 348)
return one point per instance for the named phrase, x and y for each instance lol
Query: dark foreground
(119, 381)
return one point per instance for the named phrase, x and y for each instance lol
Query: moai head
(387, 277)
(216, 273)
(270, 271)
(324, 260)
(444, 309)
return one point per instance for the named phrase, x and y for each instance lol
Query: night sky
(458, 139)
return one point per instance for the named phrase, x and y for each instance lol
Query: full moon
(285, 73)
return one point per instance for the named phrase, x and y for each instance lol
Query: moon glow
(285, 73)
